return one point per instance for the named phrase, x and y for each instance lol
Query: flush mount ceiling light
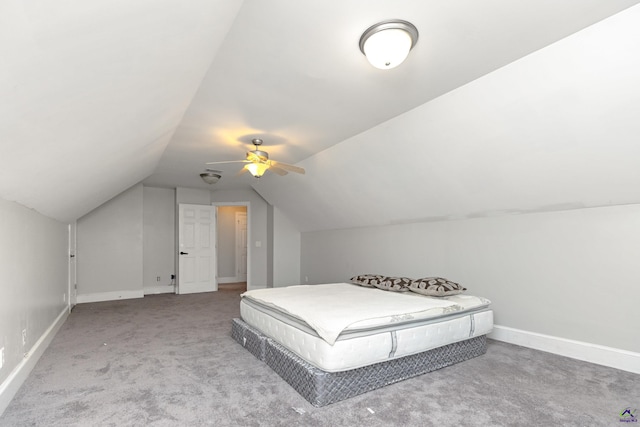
(387, 44)
(211, 176)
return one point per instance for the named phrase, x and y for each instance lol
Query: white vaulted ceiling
(91, 93)
(501, 107)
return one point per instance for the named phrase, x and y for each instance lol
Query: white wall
(33, 284)
(192, 196)
(110, 249)
(570, 274)
(286, 250)
(158, 237)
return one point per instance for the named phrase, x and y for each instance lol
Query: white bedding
(331, 308)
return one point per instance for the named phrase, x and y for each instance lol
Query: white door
(241, 246)
(73, 287)
(196, 249)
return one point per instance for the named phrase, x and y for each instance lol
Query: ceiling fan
(257, 162)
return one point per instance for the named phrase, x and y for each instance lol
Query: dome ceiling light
(211, 176)
(387, 44)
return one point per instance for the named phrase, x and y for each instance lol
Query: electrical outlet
(1, 357)
(158, 279)
(24, 337)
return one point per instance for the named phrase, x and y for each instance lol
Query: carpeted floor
(168, 360)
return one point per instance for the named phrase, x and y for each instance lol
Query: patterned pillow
(436, 287)
(394, 284)
(367, 280)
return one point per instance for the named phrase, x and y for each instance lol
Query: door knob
(184, 253)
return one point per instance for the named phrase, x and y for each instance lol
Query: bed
(334, 341)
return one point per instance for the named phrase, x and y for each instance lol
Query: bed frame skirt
(321, 388)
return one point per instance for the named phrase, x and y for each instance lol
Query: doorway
(232, 234)
(241, 245)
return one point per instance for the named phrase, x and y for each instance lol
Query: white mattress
(361, 347)
(332, 308)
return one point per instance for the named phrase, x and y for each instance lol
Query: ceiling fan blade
(277, 170)
(228, 161)
(286, 167)
(259, 160)
(243, 171)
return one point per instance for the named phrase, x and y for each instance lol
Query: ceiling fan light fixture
(211, 177)
(387, 44)
(257, 169)
(257, 162)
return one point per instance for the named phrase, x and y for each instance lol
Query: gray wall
(34, 281)
(270, 248)
(570, 274)
(286, 250)
(158, 236)
(109, 248)
(127, 242)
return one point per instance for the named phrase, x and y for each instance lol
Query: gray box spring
(321, 388)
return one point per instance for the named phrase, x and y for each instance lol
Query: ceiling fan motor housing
(263, 155)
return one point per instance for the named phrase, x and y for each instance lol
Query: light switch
(258, 244)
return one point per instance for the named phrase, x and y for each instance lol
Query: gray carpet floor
(169, 360)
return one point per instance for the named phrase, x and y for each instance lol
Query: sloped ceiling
(92, 91)
(101, 95)
(555, 130)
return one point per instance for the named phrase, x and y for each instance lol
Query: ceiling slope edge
(552, 131)
(92, 106)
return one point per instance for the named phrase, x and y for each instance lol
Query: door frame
(72, 291)
(247, 205)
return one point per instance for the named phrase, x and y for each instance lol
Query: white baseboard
(166, 289)
(593, 353)
(109, 296)
(228, 280)
(17, 377)
(197, 288)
